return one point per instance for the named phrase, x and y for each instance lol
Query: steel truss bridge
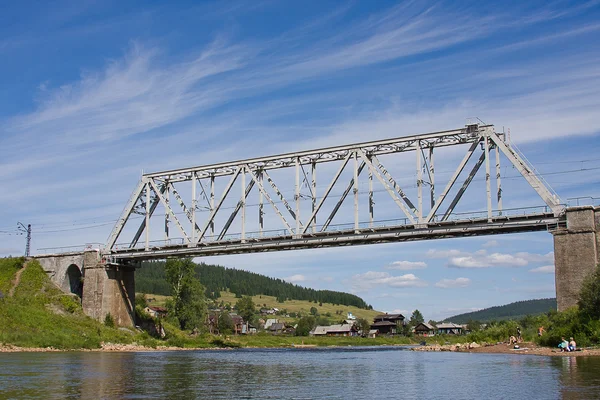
(196, 222)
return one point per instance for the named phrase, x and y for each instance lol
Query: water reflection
(579, 376)
(296, 374)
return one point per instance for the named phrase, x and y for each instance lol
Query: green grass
(302, 306)
(40, 315)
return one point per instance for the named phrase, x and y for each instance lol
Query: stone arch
(74, 280)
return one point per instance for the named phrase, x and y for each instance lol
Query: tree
(416, 318)
(225, 323)
(245, 308)
(363, 325)
(305, 325)
(313, 311)
(589, 296)
(188, 304)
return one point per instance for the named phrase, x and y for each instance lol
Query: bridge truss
(300, 217)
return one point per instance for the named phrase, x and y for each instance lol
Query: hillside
(150, 278)
(35, 313)
(515, 310)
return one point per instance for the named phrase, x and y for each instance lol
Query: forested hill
(150, 278)
(515, 310)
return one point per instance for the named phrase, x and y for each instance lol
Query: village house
(424, 329)
(155, 311)
(342, 330)
(270, 322)
(449, 328)
(387, 324)
(277, 328)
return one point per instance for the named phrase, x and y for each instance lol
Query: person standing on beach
(519, 338)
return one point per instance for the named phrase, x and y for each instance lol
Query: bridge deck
(541, 221)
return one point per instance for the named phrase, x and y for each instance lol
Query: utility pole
(26, 230)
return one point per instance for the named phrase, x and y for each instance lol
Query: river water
(340, 373)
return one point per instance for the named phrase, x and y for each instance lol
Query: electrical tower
(26, 230)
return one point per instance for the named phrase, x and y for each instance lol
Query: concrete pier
(104, 288)
(576, 253)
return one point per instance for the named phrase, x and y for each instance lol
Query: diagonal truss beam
(527, 173)
(137, 192)
(142, 226)
(238, 206)
(452, 181)
(188, 212)
(395, 185)
(262, 190)
(464, 187)
(341, 200)
(169, 210)
(280, 195)
(388, 186)
(327, 191)
(216, 209)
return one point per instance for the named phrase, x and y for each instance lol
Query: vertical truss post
(371, 202)
(356, 192)
(147, 216)
(260, 205)
(243, 204)
(431, 177)
(314, 193)
(452, 181)
(167, 200)
(498, 183)
(194, 206)
(488, 183)
(215, 210)
(297, 194)
(212, 203)
(419, 182)
(327, 191)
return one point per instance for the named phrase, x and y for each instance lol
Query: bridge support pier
(576, 253)
(108, 289)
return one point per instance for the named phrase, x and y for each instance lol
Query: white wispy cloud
(546, 269)
(371, 279)
(453, 283)
(406, 265)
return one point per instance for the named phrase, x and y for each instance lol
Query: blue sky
(93, 93)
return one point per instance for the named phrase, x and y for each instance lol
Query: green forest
(513, 311)
(150, 278)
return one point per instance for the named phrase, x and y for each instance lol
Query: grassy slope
(292, 306)
(40, 315)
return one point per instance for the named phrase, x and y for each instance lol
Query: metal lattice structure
(430, 216)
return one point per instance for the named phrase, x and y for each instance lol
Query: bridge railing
(71, 249)
(334, 228)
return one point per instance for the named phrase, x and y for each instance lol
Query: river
(339, 373)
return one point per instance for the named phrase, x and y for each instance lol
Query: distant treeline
(515, 310)
(150, 278)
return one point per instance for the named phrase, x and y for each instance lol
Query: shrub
(109, 321)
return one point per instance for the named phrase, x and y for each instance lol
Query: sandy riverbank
(499, 348)
(504, 348)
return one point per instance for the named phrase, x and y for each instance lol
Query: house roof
(339, 328)
(425, 325)
(277, 327)
(158, 309)
(320, 330)
(390, 316)
(383, 323)
(449, 325)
